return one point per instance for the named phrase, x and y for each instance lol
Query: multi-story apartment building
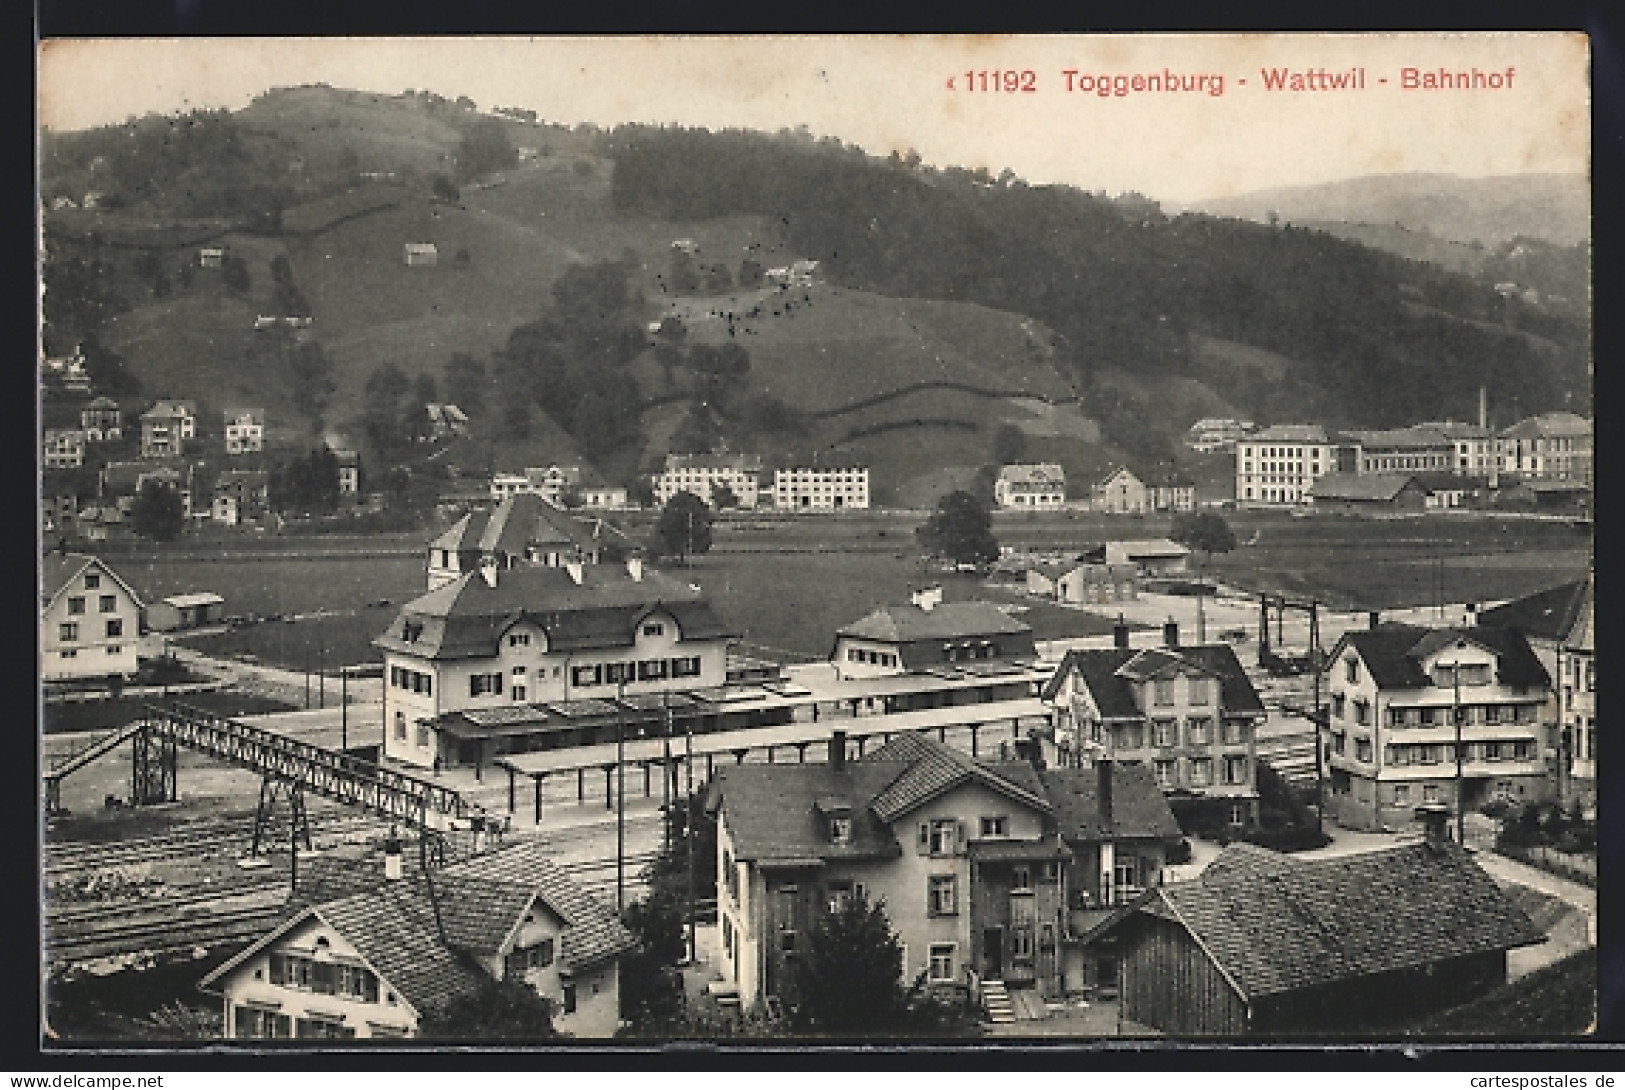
(927, 633)
(1188, 713)
(64, 448)
(245, 431)
(989, 871)
(1276, 466)
(165, 428)
(1400, 696)
(1549, 447)
(102, 421)
(1560, 627)
(372, 955)
(90, 620)
(523, 529)
(702, 474)
(531, 634)
(1037, 487)
(821, 488)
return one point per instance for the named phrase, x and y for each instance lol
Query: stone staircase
(996, 1001)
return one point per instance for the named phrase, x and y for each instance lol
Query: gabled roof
(1415, 437)
(466, 617)
(1275, 924)
(1394, 653)
(944, 621)
(57, 570)
(1549, 424)
(102, 402)
(1378, 487)
(392, 927)
(167, 407)
(255, 416)
(1139, 548)
(1547, 614)
(1116, 473)
(934, 768)
(1041, 473)
(524, 520)
(1154, 662)
(1289, 433)
(1138, 807)
(1099, 670)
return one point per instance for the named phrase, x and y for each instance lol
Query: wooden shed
(1263, 944)
(182, 611)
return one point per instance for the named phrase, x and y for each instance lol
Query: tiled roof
(1379, 487)
(1281, 924)
(933, 768)
(592, 933)
(1394, 652)
(522, 520)
(58, 569)
(1138, 807)
(1289, 433)
(466, 617)
(1547, 614)
(393, 928)
(1042, 473)
(1415, 437)
(1113, 693)
(944, 621)
(1549, 424)
(166, 408)
(772, 810)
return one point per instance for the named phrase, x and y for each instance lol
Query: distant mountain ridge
(1552, 207)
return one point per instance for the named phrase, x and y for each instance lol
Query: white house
(245, 431)
(1120, 493)
(64, 448)
(1276, 467)
(821, 488)
(703, 474)
(374, 955)
(421, 254)
(90, 619)
(1040, 487)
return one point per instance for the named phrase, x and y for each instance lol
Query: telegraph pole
(344, 709)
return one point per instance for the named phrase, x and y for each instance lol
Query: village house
(119, 483)
(102, 421)
(1120, 493)
(821, 488)
(421, 255)
(64, 448)
(1277, 466)
(1153, 557)
(986, 869)
(1264, 944)
(240, 495)
(66, 372)
(1099, 583)
(548, 482)
(928, 633)
(1400, 697)
(373, 956)
(510, 639)
(211, 257)
(1188, 713)
(702, 474)
(166, 427)
(523, 529)
(1559, 625)
(443, 422)
(1173, 493)
(1368, 493)
(1040, 487)
(349, 472)
(245, 431)
(90, 619)
(1552, 447)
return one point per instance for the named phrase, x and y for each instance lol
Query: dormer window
(411, 631)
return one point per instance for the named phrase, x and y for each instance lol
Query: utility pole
(1455, 704)
(620, 793)
(344, 709)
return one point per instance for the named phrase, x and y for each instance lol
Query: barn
(1267, 945)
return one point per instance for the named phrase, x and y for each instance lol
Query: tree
(1204, 531)
(684, 528)
(723, 497)
(158, 513)
(500, 1010)
(1009, 444)
(466, 374)
(852, 985)
(960, 529)
(483, 148)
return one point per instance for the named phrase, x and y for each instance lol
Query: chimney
(1483, 408)
(488, 570)
(1373, 619)
(1120, 633)
(392, 856)
(634, 568)
(1170, 633)
(1435, 819)
(575, 570)
(837, 751)
(927, 598)
(1103, 792)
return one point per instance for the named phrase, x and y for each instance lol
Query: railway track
(211, 841)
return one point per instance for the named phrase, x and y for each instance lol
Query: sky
(1225, 131)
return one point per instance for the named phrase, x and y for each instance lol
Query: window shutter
(961, 843)
(278, 973)
(925, 838)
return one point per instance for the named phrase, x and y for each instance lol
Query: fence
(1577, 868)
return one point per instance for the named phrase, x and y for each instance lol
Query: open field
(788, 583)
(107, 714)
